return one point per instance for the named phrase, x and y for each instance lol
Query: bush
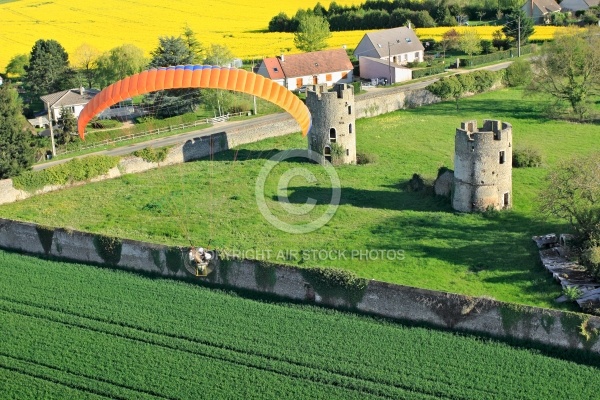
(572, 292)
(150, 154)
(518, 73)
(366, 158)
(526, 158)
(436, 69)
(500, 55)
(76, 170)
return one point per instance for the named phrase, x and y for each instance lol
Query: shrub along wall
(497, 56)
(324, 286)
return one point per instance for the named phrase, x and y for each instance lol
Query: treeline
(381, 14)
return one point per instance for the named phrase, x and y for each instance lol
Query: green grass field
(214, 202)
(74, 331)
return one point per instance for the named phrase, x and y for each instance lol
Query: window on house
(502, 158)
(328, 77)
(417, 55)
(408, 40)
(298, 82)
(332, 135)
(275, 69)
(344, 75)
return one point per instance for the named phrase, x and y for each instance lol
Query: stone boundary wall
(444, 310)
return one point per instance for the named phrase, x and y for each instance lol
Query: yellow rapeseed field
(238, 24)
(486, 32)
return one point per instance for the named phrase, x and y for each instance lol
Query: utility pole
(51, 131)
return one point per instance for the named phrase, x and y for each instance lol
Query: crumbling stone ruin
(333, 123)
(482, 166)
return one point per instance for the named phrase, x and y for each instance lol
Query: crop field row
(238, 24)
(77, 331)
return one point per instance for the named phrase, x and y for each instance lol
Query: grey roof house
(540, 10)
(578, 5)
(385, 53)
(73, 99)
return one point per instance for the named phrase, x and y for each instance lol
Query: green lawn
(74, 331)
(214, 202)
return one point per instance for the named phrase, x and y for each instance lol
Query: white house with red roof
(296, 70)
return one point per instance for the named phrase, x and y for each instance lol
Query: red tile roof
(316, 62)
(273, 68)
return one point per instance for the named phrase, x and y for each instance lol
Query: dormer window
(275, 69)
(407, 40)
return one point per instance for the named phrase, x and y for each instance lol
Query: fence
(158, 131)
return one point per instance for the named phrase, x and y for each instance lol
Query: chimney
(81, 90)
(409, 25)
(282, 58)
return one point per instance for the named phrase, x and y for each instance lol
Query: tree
(449, 40)
(67, 126)
(518, 73)
(119, 63)
(470, 43)
(448, 88)
(218, 100)
(219, 55)
(572, 192)
(16, 153)
(568, 70)
(313, 32)
(48, 70)
(84, 59)
(171, 51)
(16, 66)
(194, 45)
(518, 27)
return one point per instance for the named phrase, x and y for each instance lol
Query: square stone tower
(333, 123)
(482, 166)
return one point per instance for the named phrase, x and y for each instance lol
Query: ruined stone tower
(482, 166)
(333, 123)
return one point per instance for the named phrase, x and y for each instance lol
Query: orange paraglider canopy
(196, 76)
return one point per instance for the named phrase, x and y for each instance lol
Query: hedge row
(76, 170)
(497, 56)
(436, 69)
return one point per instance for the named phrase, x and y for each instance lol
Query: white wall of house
(405, 58)
(374, 68)
(76, 109)
(330, 79)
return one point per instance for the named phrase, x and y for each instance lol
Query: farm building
(384, 54)
(317, 67)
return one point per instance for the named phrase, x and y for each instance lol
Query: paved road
(183, 137)
(171, 140)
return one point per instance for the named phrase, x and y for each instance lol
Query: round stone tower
(482, 166)
(333, 123)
